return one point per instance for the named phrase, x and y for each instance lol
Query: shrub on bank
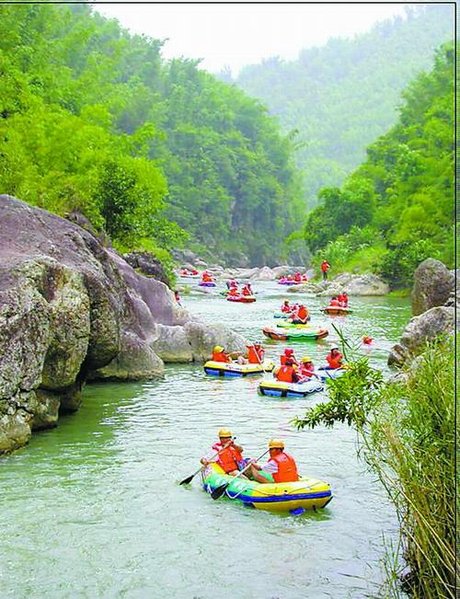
(406, 427)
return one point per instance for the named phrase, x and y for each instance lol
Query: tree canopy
(94, 120)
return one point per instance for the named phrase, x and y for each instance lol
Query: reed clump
(407, 431)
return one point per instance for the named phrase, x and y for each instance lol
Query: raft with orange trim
(336, 310)
(294, 497)
(244, 299)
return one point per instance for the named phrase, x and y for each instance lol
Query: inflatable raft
(244, 299)
(336, 310)
(233, 369)
(296, 325)
(295, 497)
(276, 388)
(295, 334)
(328, 373)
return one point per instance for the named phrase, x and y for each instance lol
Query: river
(93, 508)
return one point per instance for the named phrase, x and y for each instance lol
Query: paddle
(188, 480)
(220, 490)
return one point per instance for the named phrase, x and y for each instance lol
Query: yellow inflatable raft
(233, 369)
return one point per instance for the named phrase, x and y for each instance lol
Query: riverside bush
(406, 432)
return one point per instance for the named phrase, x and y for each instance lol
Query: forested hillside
(342, 96)
(94, 120)
(397, 208)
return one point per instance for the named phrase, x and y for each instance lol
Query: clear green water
(94, 509)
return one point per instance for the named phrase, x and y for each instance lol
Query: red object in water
(367, 340)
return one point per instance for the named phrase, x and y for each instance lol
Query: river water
(93, 508)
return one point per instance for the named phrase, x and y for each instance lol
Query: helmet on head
(288, 351)
(257, 342)
(224, 432)
(334, 347)
(218, 348)
(276, 444)
(306, 359)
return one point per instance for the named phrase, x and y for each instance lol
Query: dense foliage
(397, 208)
(93, 120)
(407, 433)
(340, 97)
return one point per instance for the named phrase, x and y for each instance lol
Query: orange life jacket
(220, 356)
(334, 361)
(307, 371)
(334, 302)
(228, 458)
(325, 266)
(246, 291)
(254, 356)
(302, 313)
(285, 374)
(287, 469)
(283, 359)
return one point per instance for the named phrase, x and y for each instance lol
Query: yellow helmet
(224, 432)
(218, 348)
(306, 359)
(276, 443)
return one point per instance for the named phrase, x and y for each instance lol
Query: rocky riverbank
(72, 310)
(434, 303)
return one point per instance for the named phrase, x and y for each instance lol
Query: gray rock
(433, 285)
(354, 285)
(72, 308)
(420, 330)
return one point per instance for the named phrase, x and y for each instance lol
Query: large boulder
(433, 286)
(420, 330)
(72, 309)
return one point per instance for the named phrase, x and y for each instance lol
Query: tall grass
(407, 429)
(410, 443)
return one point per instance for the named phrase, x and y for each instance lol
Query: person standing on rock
(325, 266)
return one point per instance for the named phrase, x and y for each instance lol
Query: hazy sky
(239, 34)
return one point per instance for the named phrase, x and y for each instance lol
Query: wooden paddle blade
(219, 491)
(187, 480)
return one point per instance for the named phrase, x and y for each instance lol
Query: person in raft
(286, 307)
(206, 277)
(325, 266)
(220, 355)
(287, 373)
(342, 298)
(300, 315)
(255, 354)
(334, 302)
(233, 292)
(288, 355)
(280, 468)
(307, 368)
(246, 291)
(334, 359)
(229, 454)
